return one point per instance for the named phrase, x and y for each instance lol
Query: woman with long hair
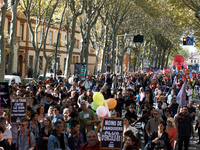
(75, 138)
(45, 133)
(171, 130)
(159, 139)
(40, 111)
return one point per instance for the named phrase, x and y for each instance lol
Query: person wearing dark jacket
(49, 102)
(131, 114)
(3, 142)
(58, 140)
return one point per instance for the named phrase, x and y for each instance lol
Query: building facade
(24, 54)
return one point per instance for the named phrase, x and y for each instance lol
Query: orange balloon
(111, 102)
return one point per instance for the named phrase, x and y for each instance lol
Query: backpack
(28, 138)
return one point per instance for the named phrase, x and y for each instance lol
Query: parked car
(12, 78)
(26, 81)
(40, 77)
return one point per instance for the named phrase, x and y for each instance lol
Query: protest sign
(4, 95)
(18, 109)
(112, 133)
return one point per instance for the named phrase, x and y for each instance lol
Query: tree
(76, 9)
(2, 40)
(87, 21)
(35, 11)
(45, 30)
(14, 4)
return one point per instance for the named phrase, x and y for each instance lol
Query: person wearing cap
(174, 106)
(171, 130)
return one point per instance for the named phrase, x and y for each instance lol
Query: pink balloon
(172, 63)
(185, 64)
(101, 111)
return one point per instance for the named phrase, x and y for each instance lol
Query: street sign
(189, 41)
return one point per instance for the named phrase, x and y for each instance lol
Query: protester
(171, 130)
(92, 142)
(75, 138)
(184, 128)
(159, 138)
(3, 142)
(25, 138)
(45, 133)
(87, 119)
(58, 140)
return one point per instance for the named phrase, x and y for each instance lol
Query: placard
(112, 133)
(18, 109)
(80, 70)
(4, 95)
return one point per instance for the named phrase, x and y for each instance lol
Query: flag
(181, 97)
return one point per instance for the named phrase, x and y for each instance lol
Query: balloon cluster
(102, 106)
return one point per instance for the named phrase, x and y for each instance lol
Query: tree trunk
(113, 54)
(14, 4)
(96, 61)
(104, 49)
(144, 51)
(71, 47)
(152, 59)
(156, 63)
(167, 57)
(35, 64)
(2, 40)
(139, 55)
(159, 59)
(150, 49)
(163, 57)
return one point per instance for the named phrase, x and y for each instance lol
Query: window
(194, 61)
(75, 59)
(9, 27)
(77, 43)
(191, 61)
(40, 63)
(50, 37)
(30, 64)
(21, 32)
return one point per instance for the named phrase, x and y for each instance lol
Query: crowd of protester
(59, 114)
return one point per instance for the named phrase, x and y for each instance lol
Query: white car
(12, 78)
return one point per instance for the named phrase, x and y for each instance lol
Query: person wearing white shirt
(189, 93)
(127, 126)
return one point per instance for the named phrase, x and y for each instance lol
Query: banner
(181, 97)
(112, 133)
(4, 95)
(80, 70)
(18, 109)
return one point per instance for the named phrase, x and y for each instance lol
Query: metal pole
(58, 41)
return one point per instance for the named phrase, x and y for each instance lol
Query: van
(12, 78)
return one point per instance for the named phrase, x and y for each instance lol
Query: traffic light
(184, 41)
